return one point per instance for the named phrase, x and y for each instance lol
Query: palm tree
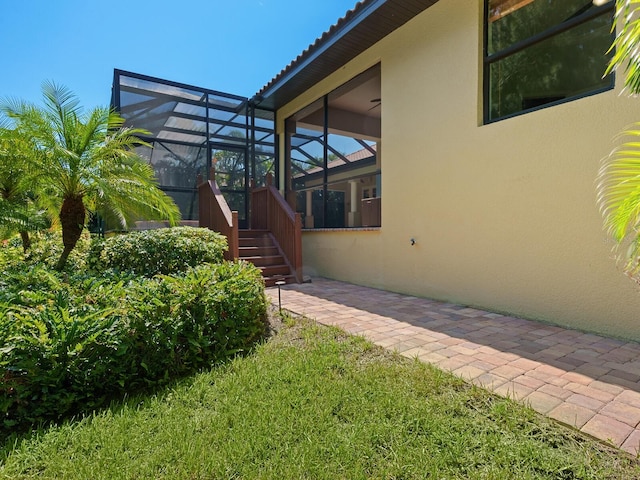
(17, 210)
(618, 181)
(86, 162)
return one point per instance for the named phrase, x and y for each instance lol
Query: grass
(315, 403)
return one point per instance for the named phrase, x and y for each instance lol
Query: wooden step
(275, 270)
(245, 252)
(265, 260)
(259, 248)
(264, 241)
(252, 233)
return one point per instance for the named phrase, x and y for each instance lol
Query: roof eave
(369, 22)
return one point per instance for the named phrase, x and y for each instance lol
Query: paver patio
(584, 380)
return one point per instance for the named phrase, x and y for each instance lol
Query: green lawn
(315, 403)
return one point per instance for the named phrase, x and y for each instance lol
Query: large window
(333, 161)
(542, 52)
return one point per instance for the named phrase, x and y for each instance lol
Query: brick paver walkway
(584, 380)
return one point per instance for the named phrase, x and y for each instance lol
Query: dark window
(542, 52)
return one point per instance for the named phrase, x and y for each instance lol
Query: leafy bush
(163, 251)
(180, 324)
(45, 250)
(72, 343)
(51, 360)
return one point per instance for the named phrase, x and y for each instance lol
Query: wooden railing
(215, 214)
(269, 211)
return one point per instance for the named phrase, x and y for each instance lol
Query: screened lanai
(333, 162)
(192, 129)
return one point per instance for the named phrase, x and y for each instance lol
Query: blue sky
(234, 46)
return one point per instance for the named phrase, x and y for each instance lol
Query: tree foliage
(618, 181)
(18, 213)
(85, 162)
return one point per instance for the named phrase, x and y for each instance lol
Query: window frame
(489, 59)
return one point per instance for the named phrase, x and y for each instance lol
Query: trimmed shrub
(94, 340)
(162, 251)
(180, 324)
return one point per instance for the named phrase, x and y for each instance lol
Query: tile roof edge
(312, 48)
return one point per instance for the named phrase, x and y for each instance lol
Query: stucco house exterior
(483, 124)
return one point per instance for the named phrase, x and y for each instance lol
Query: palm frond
(60, 99)
(128, 191)
(21, 217)
(62, 111)
(625, 50)
(618, 197)
(94, 128)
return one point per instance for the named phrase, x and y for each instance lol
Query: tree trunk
(26, 241)
(72, 217)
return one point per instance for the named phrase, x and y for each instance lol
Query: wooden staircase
(274, 242)
(260, 248)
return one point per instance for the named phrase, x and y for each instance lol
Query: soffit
(368, 23)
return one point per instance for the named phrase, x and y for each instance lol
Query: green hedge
(163, 251)
(79, 344)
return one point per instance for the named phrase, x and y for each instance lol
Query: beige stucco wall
(504, 215)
